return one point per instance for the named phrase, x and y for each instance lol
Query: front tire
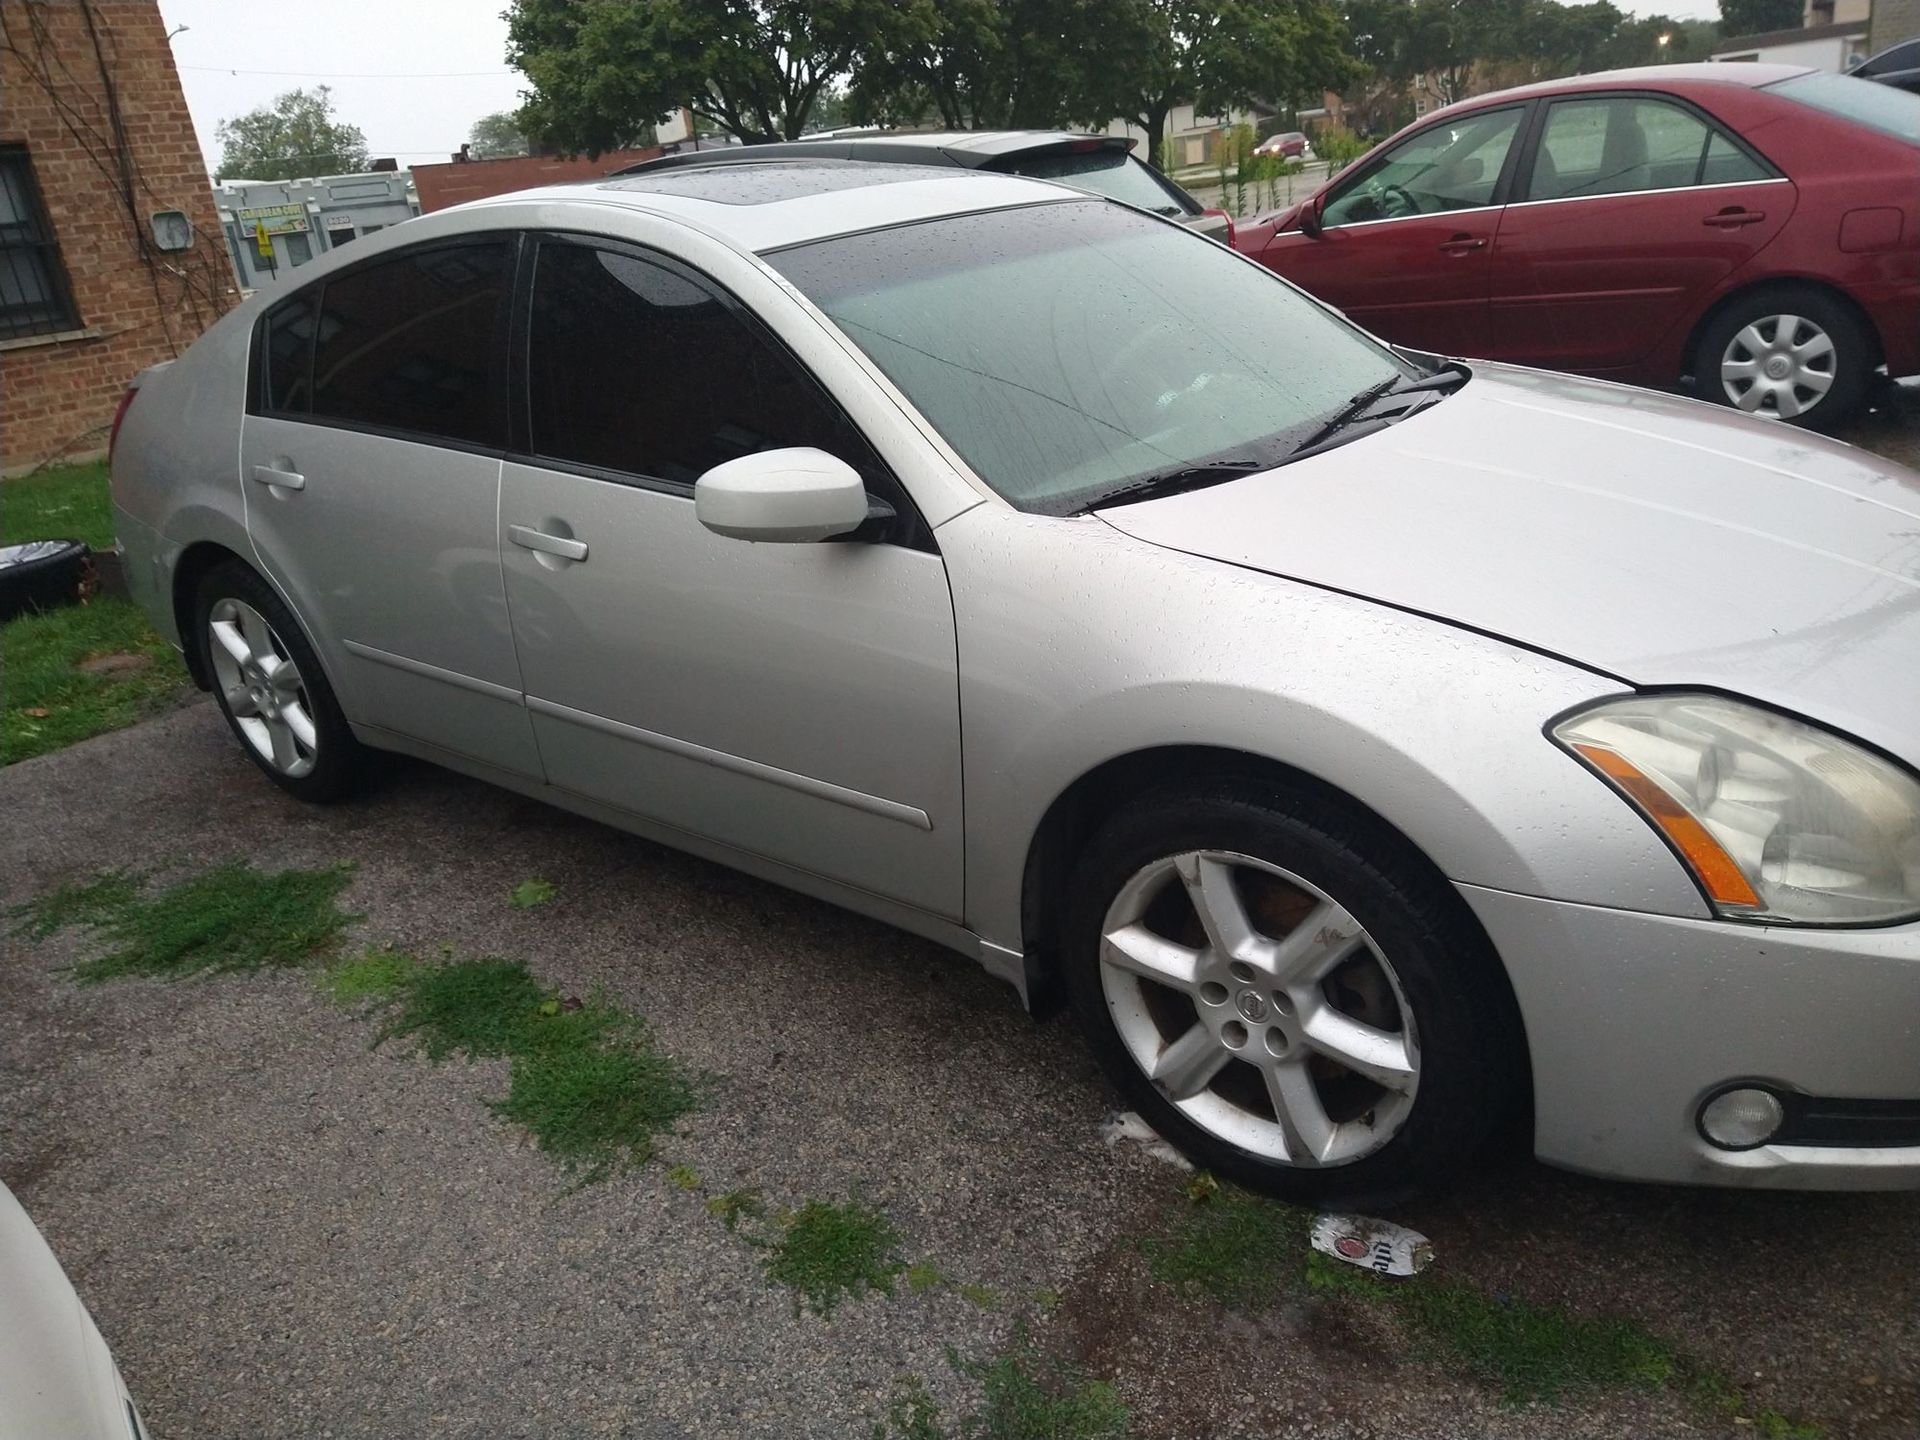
(269, 685)
(1288, 997)
(1796, 354)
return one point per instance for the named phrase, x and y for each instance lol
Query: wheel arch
(195, 561)
(1690, 352)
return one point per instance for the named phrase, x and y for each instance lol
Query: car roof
(771, 203)
(967, 148)
(1747, 74)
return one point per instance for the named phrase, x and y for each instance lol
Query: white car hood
(1659, 540)
(57, 1380)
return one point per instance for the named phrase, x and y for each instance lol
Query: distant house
(1195, 139)
(1832, 35)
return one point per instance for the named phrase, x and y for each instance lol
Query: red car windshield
(1878, 107)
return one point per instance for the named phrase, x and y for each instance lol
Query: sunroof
(749, 183)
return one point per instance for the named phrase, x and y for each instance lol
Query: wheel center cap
(1251, 1004)
(1779, 367)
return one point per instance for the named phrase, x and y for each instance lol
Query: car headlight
(1778, 820)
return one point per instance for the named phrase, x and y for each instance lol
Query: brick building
(461, 180)
(111, 255)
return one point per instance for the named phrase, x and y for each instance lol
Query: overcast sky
(412, 74)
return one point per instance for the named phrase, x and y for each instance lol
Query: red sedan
(1755, 228)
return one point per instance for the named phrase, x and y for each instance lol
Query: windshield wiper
(1358, 416)
(1172, 482)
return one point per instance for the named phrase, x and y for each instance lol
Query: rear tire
(268, 683)
(1792, 353)
(1241, 1050)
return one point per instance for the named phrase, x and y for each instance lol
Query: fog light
(1741, 1119)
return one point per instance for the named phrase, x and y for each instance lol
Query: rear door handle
(279, 478)
(1462, 244)
(1731, 219)
(529, 538)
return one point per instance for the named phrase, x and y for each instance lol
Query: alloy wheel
(1780, 366)
(1260, 1008)
(262, 687)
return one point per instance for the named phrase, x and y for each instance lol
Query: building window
(34, 298)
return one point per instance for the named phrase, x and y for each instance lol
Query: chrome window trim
(1401, 219)
(1662, 190)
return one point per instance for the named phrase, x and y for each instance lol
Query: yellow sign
(276, 219)
(262, 241)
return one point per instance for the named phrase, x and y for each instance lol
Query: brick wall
(1893, 21)
(135, 305)
(452, 184)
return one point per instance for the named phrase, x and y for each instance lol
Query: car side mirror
(792, 496)
(1312, 223)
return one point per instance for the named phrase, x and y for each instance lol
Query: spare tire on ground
(40, 575)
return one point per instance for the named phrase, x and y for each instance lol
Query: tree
(295, 136)
(496, 136)
(602, 72)
(1216, 54)
(1756, 17)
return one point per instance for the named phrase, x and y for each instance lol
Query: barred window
(34, 298)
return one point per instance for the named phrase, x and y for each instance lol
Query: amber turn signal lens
(1715, 869)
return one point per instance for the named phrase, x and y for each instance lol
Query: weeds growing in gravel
(735, 1206)
(1229, 1244)
(529, 893)
(828, 1253)
(231, 918)
(1024, 1396)
(586, 1080)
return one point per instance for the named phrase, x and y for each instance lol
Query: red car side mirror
(1311, 224)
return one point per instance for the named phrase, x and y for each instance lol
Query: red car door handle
(1462, 243)
(1732, 219)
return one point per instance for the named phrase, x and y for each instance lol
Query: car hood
(57, 1381)
(1662, 541)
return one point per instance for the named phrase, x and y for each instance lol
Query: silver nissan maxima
(1381, 753)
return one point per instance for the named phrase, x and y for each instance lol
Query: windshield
(1106, 171)
(1068, 352)
(1878, 107)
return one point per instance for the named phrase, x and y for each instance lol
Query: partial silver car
(1379, 753)
(57, 1377)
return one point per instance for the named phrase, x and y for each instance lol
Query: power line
(349, 74)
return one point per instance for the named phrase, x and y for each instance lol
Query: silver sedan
(1382, 755)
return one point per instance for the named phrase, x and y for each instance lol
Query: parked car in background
(1103, 164)
(1291, 144)
(1752, 228)
(57, 1377)
(1897, 65)
(1378, 752)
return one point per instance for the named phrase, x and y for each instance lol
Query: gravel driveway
(285, 1231)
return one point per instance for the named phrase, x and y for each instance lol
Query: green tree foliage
(604, 71)
(1215, 54)
(295, 136)
(496, 136)
(1756, 17)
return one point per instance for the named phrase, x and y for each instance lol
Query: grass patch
(736, 1206)
(232, 918)
(828, 1253)
(529, 893)
(108, 894)
(69, 502)
(51, 702)
(684, 1177)
(586, 1080)
(1023, 1397)
(1228, 1244)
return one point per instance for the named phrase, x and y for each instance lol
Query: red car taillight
(1216, 210)
(119, 414)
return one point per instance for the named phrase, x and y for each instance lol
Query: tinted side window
(636, 368)
(1454, 165)
(417, 343)
(286, 340)
(1623, 145)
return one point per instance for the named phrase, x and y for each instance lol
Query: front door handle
(529, 538)
(1462, 244)
(279, 477)
(1732, 218)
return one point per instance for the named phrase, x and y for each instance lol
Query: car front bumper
(1634, 1020)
